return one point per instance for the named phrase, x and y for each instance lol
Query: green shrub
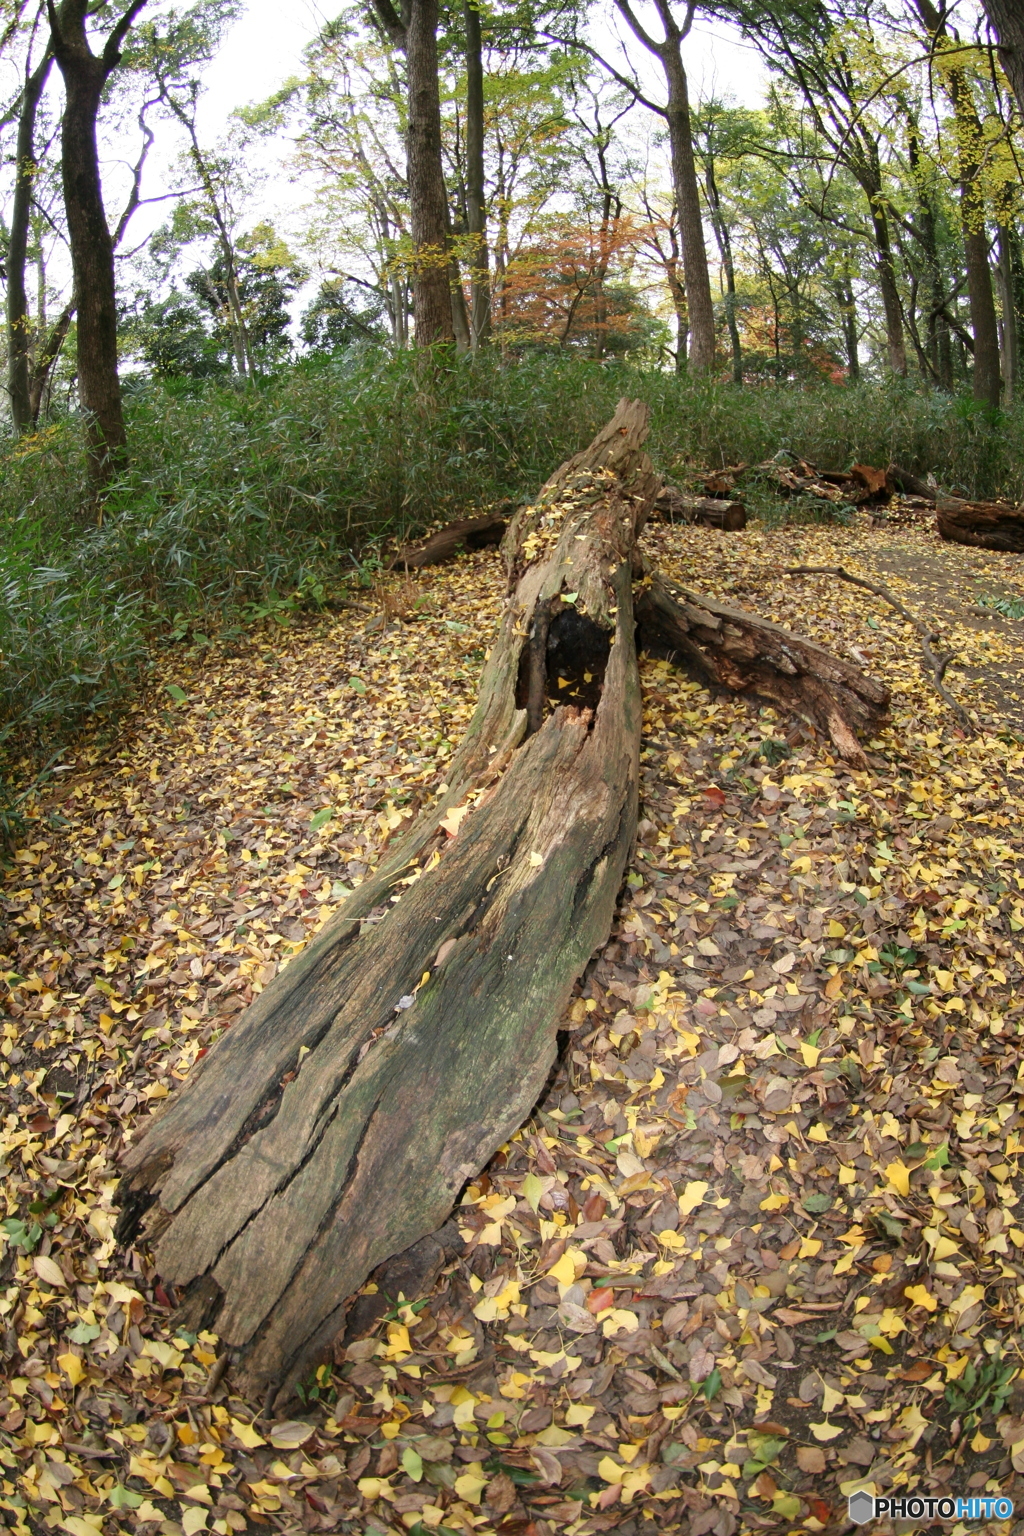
(236, 496)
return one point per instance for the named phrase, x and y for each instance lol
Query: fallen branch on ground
(732, 649)
(936, 664)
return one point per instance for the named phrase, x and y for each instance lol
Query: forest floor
(762, 1244)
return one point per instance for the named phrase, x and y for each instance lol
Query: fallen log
(711, 511)
(900, 479)
(729, 648)
(981, 524)
(453, 539)
(333, 1125)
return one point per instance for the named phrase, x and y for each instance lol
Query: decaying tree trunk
(332, 1127)
(982, 524)
(336, 1122)
(452, 539)
(712, 511)
(732, 649)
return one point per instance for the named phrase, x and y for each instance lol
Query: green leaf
(939, 1158)
(569, 597)
(873, 623)
(177, 694)
(713, 1385)
(321, 818)
(84, 1333)
(358, 684)
(21, 1234)
(412, 1464)
(817, 1203)
(532, 1191)
(124, 1498)
(765, 1448)
(787, 1505)
(455, 627)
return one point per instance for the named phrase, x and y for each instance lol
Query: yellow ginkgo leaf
(826, 1431)
(72, 1367)
(692, 1196)
(898, 1175)
(920, 1296)
(246, 1435)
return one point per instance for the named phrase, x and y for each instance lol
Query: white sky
(265, 46)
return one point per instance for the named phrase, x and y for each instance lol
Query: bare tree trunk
(19, 328)
(415, 33)
(476, 212)
(969, 141)
(92, 249)
(47, 354)
(889, 290)
(700, 308)
(1007, 19)
(1009, 334)
(848, 319)
(724, 239)
(460, 315)
(428, 201)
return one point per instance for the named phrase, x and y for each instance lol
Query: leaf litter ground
(762, 1243)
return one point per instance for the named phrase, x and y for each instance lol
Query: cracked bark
(333, 1126)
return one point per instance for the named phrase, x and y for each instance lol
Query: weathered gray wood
(332, 1127)
(747, 654)
(335, 1123)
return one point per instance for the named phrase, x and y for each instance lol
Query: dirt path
(758, 1248)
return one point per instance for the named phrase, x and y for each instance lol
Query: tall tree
(92, 248)
(476, 210)
(819, 48)
(19, 325)
(970, 154)
(668, 51)
(415, 33)
(1007, 18)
